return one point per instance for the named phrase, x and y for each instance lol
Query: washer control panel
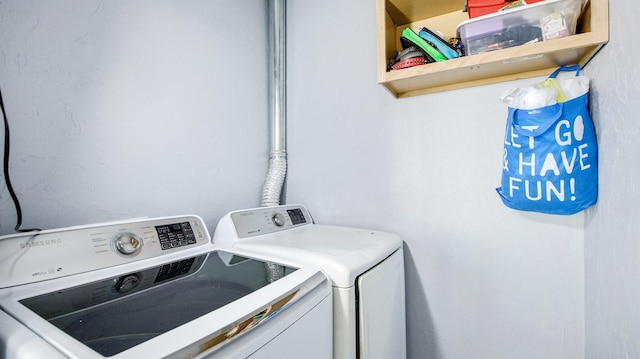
(37, 256)
(260, 221)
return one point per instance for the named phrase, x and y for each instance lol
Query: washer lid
(139, 313)
(343, 253)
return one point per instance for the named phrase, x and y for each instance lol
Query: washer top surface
(287, 232)
(142, 288)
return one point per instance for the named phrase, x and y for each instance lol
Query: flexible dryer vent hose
(272, 189)
(271, 197)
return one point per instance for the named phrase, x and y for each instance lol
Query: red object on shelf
(477, 8)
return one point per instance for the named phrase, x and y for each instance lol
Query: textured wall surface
(122, 109)
(483, 281)
(612, 236)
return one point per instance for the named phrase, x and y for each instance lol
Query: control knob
(278, 219)
(128, 243)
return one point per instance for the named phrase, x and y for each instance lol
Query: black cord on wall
(7, 180)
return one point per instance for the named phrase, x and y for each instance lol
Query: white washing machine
(366, 269)
(155, 288)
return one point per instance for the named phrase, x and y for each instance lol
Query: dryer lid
(343, 253)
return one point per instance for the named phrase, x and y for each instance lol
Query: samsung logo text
(40, 243)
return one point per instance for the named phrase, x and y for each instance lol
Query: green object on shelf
(422, 44)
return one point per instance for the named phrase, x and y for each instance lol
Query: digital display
(175, 235)
(296, 215)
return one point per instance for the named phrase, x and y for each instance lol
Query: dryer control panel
(37, 256)
(265, 220)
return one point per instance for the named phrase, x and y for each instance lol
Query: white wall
(483, 281)
(121, 109)
(612, 242)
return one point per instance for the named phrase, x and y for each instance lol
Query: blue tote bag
(550, 159)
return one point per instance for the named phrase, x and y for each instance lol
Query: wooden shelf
(525, 61)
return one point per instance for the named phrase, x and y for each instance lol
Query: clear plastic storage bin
(541, 21)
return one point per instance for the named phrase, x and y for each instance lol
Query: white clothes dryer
(366, 269)
(155, 288)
